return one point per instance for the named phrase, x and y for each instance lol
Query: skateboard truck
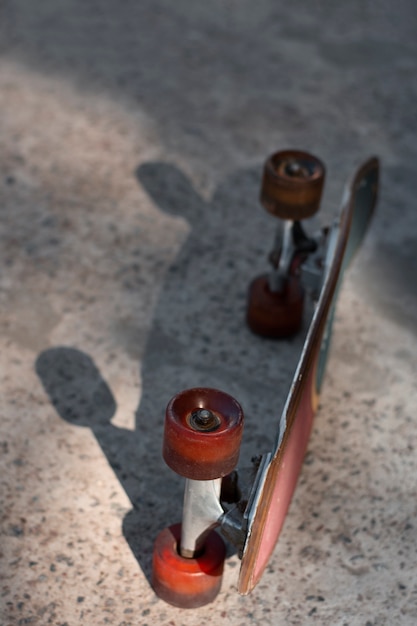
(202, 435)
(188, 558)
(291, 189)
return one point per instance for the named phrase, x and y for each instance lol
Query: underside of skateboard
(203, 427)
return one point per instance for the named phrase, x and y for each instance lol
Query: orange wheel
(203, 431)
(275, 314)
(292, 184)
(187, 583)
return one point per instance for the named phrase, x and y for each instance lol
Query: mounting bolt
(204, 420)
(295, 169)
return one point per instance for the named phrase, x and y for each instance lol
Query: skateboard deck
(203, 427)
(271, 498)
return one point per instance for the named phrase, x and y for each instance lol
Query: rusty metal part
(204, 420)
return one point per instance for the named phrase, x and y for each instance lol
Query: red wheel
(292, 184)
(203, 430)
(275, 314)
(187, 583)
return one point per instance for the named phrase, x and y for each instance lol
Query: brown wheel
(203, 430)
(187, 583)
(275, 314)
(292, 184)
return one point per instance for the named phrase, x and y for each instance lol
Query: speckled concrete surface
(132, 139)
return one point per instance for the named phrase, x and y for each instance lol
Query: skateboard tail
(280, 482)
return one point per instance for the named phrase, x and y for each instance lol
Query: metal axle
(202, 511)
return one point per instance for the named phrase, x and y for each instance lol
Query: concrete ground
(132, 141)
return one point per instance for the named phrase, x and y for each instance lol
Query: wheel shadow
(198, 338)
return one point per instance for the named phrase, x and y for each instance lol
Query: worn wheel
(292, 184)
(187, 583)
(203, 431)
(275, 314)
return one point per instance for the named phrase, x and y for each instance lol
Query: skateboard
(203, 427)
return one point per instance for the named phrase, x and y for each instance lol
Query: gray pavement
(132, 141)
